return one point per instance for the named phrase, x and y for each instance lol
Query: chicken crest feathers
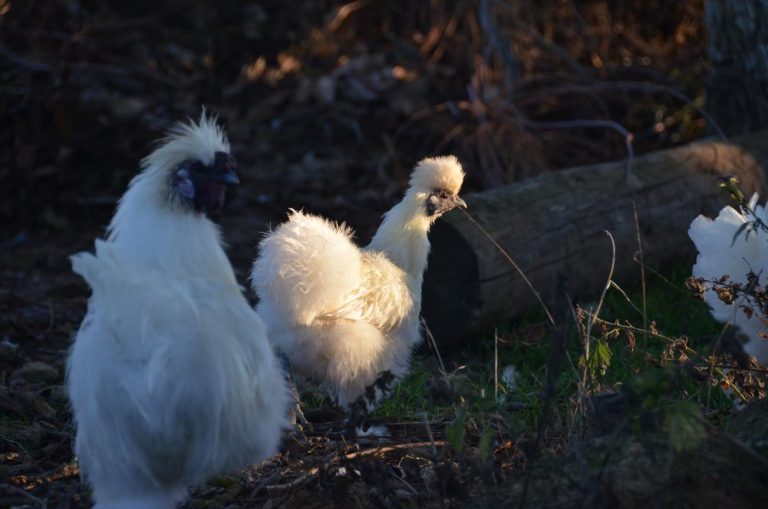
(443, 172)
(189, 140)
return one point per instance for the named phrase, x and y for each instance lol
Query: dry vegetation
(328, 105)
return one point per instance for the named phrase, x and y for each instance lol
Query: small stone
(36, 372)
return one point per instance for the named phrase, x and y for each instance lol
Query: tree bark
(554, 227)
(737, 89)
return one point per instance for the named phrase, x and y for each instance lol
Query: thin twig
(343, 12)
(643, 87)
(626, 297)
(642, 270)
(515, 265)
(632, 328)
(432, 341)
(610, 124)
(495, 365)
(731, 367)
(378, 450)
(715, 348)
(663, 278)
(9, 488)
(591, 318)
(295, 482)
(607, 285)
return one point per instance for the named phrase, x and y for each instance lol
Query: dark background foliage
(329, 105)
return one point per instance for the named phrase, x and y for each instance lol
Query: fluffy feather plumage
(342, 314)
(717, 257)
(171, 377)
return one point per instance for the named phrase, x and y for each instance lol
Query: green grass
(411, 397)
(525, 344)
(648, 371)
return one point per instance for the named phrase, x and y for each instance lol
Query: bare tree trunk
(554, 227)
(737, 91)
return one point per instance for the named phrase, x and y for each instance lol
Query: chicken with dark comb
(171, 377)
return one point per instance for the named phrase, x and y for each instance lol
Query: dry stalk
(642, 271)
(433, 343)
(495, 365)
(586, 336)
(515, 265)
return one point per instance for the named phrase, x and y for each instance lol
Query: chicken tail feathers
(307, 267)
(98, 269)
(139, 501)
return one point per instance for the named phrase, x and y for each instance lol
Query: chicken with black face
(171, 377)
(203, 187)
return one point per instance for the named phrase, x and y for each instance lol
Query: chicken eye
(182, 181)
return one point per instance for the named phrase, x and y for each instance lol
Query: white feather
(718, 257)
(171, 377)
(342, 314)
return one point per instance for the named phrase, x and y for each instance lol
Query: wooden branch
(553, 226)
(349, 456)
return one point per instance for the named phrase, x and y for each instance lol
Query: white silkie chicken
(345, 316)
(171, 376)
(720, 254)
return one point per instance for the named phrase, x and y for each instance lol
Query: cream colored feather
(342, 314)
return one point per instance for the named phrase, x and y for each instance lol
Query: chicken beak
(458, 202)
(226, 177)
(224, 169)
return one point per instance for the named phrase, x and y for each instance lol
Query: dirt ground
(328, 106)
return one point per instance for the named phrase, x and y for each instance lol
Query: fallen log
(554, 226)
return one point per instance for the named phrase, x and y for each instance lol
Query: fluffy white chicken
(720, 254)
(171, 376)
(345, 316)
